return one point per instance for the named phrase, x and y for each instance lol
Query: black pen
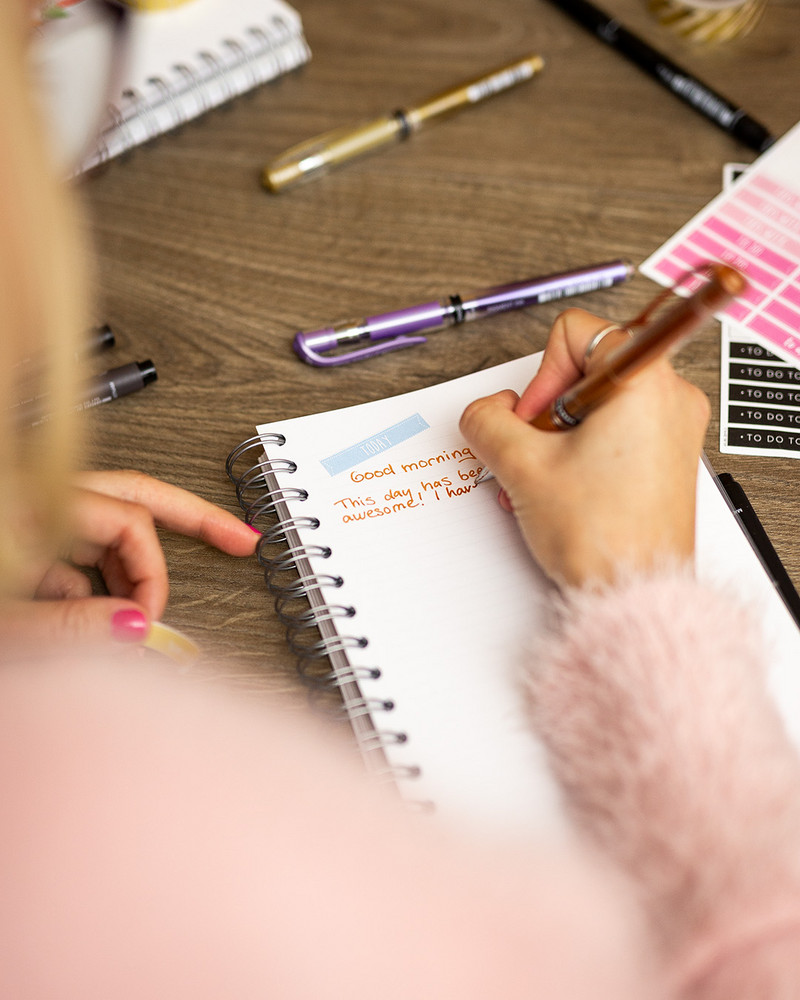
(99, 338)
(117, 382)
(760, 541)
(99, 389)
(681, 83)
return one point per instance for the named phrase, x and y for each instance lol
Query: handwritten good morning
(446, 476)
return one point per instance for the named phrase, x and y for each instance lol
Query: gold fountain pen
(312, 157)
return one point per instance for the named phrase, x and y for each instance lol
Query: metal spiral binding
(290, 556)
(322, 653)
(310, 617)
(257, 443)
(277, 533)
(190, 81)
(256, 476)
(322, 649)
(217, 75)
(244, 58)
(168, 98)
(299, 586)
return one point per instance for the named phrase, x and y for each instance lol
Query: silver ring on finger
(594, 343)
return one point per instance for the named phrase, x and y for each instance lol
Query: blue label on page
(374, 445)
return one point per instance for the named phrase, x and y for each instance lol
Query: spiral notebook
(404, 584)
(186, 60)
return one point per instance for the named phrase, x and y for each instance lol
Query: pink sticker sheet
(755, 227)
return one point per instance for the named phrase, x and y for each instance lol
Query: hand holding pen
(664, 333)
(615, 494)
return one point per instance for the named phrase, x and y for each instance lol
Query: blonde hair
(42, 313)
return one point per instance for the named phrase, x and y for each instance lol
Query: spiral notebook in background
(425, 598)
(186, 60)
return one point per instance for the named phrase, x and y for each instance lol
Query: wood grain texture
(200, 269)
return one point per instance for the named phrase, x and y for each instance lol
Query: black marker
(683, 84)
(99, 338)
(117, 382)
(96, 340)
(100, 389)
(760, 541)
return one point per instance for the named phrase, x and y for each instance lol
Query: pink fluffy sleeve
(652, 702)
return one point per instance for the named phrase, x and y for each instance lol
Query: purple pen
(391, 331)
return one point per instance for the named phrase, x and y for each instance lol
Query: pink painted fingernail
(129, 625)
(252, 527)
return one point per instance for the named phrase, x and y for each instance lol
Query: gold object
(171, 643)
(708, 20)
(156, 4)
(309, 158)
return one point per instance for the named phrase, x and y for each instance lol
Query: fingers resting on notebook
(616, 493)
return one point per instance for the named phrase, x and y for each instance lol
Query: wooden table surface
(202, 271)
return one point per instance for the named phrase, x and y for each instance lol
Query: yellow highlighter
(312, 157)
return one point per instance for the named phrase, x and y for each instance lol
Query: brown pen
(665, 332)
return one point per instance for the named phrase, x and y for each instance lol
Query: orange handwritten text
(359, 477)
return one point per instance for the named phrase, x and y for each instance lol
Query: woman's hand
(114, 519)
(613, 495)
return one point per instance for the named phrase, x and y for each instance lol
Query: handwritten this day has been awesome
(445, 475)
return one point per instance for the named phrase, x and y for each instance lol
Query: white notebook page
(447, 596)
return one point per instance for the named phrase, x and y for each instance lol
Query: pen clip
(700, 271)
(312, 348)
